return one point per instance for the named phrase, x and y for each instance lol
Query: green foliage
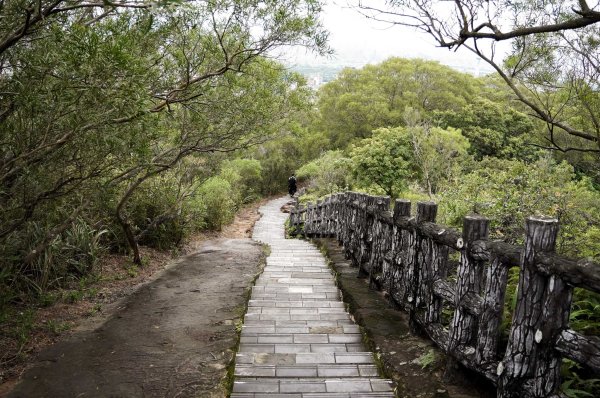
(245, 177)
(577, 384)
(392, 158)
(492, 128)
(585, 312)
(64, 259)
(279, 160)
(361, 101)
(217, 196)
(327, 174)
(160, 212)
(383, 161)
(428, 359)
(415, 194)
(507, 191)
(437, 154)
(106, 131)
(57, 327)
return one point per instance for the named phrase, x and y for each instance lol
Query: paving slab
(298, 340)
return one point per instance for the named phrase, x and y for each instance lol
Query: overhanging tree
(95, 101)
(554, 64)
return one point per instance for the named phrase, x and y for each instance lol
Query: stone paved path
(297, 339)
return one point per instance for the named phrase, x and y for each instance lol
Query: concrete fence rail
(459, 304)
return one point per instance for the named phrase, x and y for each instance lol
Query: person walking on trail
(292, 185)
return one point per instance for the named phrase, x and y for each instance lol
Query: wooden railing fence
(409, 257)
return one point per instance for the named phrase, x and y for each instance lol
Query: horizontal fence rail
(410, 257)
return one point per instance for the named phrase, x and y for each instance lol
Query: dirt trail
(219, 264)
(172, 338)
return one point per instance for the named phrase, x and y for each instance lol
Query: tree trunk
(122, 219)
(133, 245)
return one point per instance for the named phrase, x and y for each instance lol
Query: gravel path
(297, 339)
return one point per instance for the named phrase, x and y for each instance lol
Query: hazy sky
(357, 41)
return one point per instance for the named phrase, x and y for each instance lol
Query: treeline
(418, 130)
(118, 121)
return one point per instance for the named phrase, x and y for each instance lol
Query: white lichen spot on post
(538, 336)
(500, 368)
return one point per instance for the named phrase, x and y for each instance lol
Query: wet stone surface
(297, 339)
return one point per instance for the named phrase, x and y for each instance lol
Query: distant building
(314, 81)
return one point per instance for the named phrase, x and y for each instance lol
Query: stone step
(303, 338)
(315, 395)
(285, 348)
(312, 385)
(253, 321)
(295, 296)
(304, 358)
(297, 339)
(295, 304)
(294, 289)
(298, 317)
(306, 371)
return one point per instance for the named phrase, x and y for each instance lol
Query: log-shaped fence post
(293, 221)
(496, 278)
(332, 218)
(395, 284)
(326, 217)
(426, 212)
(542, 311)
(357, 227)
(308, 223)
(463, 327)
(318, 218)
(380, 205)
(335, 215)
(365, 235)
(300, 220)
(346, 219)
(365, 241)
(340, 223)
(352, 226)
(434, 268)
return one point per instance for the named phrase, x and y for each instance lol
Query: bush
(508, 191)
(160, 213)
(67, 257)
(278, 159)
(245, 178)
(218, 200)
(328, 174)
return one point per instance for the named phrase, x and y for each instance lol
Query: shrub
(67, 257)
(245, 178)
(218, 198)
(328, 174)
(508, 191)
(160, 213)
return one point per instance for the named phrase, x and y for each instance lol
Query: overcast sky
(357, 41)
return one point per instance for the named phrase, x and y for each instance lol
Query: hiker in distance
(292, 185)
